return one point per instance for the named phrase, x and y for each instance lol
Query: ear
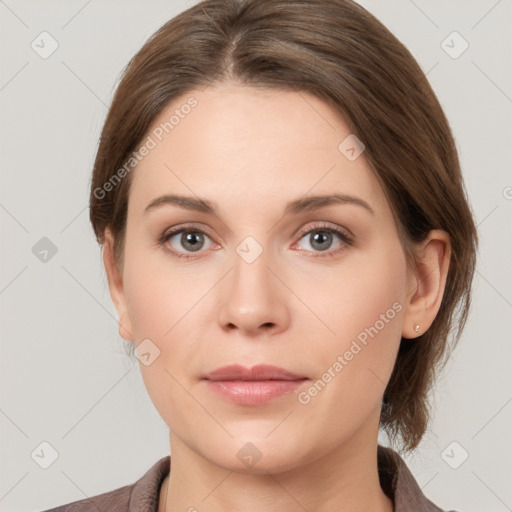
(115, 284)
(426, 283)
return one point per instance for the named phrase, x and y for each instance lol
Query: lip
(252, 386)
(256, 373)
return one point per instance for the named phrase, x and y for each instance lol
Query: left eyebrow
(292, 208)
(316, 202)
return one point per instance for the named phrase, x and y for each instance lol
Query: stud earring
(416, 328)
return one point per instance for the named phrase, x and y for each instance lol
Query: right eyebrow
(187, 202)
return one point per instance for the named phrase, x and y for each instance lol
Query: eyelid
(325, 225)
(301, 231)
(175, 230)
(344, 233)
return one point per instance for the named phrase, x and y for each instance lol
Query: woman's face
(264, 278)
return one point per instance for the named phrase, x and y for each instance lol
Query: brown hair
(339, 52)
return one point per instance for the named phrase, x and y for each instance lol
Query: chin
(256, 455)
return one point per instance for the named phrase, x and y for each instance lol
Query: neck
(346, 479)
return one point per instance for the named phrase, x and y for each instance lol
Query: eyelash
(346, 239)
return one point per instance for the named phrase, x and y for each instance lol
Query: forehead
(247, 145)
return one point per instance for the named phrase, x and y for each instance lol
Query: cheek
(161, 309)
(361, 307)
(157, 295)
(166, 306)
(367, 291)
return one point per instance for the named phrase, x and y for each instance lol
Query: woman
(288, 245)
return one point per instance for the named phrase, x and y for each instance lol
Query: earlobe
(428, 281)
(115, 284)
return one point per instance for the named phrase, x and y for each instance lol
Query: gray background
(65, 377)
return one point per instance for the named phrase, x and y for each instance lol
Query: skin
(252, 151)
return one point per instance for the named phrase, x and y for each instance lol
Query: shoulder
(399, 484)
(117, 500)
(141, 496)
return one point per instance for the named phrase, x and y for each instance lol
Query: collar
(399, 484)
(395, 478)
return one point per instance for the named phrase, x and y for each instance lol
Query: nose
(253, 299)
